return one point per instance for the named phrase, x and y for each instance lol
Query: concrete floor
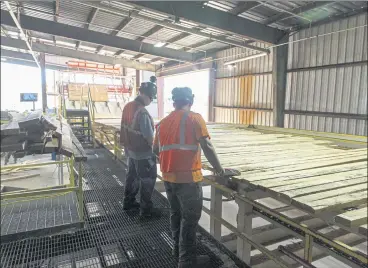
(43, 176)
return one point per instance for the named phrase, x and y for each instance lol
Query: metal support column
(211, 97)
(244, 223)
(43, 81)
(216, 209)
(137, 82)
(279, 72)
(308, 247)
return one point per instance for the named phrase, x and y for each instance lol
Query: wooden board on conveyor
(352, 218)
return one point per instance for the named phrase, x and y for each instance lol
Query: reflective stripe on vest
(181, 145)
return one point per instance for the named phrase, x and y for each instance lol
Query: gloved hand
(229, 172)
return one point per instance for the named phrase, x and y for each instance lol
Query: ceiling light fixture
(246, 58)
(160, 44)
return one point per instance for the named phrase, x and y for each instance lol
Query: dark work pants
(185, 211)
(141, 175)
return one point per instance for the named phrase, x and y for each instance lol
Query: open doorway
(198, 82)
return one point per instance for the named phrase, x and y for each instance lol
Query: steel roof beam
(119, 28)
(299, 10)
(56, 14)
(77, 33)
(243, 7)
(14, 21)
(91, 17)
(141, 38)
(214, 18)
(71, 53)
(173, 26)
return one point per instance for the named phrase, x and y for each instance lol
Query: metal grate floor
(21, 217)
(111, 237)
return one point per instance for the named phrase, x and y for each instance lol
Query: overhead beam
(56, 15)
(77, 33)
(173, 26)
(141, 38)
(297, 11)
(243, 7)
(214, 18)
(14, 21)
(332, 19)
(31, 63)
(91, 17)
(118, 29)
(71, 53)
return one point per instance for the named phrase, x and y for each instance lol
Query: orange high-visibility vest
(130, 135)
(180, 153)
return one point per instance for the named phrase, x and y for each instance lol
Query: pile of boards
(36, 133)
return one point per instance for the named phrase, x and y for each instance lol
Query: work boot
(201, 261)
(149, 213)
(131, 206)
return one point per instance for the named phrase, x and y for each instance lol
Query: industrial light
(231, 66)
(246, 58)
(160, 44)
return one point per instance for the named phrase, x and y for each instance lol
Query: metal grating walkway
(111, 237)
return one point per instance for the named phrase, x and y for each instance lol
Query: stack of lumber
(312, 175)
(36, 133)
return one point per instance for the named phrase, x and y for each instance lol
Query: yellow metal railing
(51, 191)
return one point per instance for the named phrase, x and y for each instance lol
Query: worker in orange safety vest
(136, 137)
(178, 142)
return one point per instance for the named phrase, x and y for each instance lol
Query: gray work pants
(141, 175)
(185, 211)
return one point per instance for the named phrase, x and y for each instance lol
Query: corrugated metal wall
(333, 97)
(243, 95)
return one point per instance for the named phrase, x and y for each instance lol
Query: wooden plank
(352, 218)
(321, 188)
(12, 128)
(296, 183)
(31, 121)
(277, 179)
(299, 167)
(363, 230)
(20, 146)
(48, 123)
(335, 202)
(79, 153)
(66, 141)
(338, 192)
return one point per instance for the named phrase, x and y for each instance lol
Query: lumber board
(277, 179)
(66, 141)
(79, 153)
(48, 123)
(334, 202)
(35, 148)
(338, 192)
(322, 188)
(352, 218)
(300, 183)
(31, 121)
(363, 229)
(13, 138)
(20, 146)
(298, 167)
(12, 128)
